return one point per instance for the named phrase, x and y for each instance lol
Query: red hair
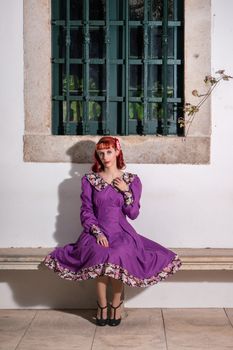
(107, 142)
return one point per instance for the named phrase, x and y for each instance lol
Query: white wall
(181, 205)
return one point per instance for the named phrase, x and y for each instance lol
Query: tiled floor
(157, 329)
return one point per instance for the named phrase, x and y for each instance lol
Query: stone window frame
(39, 145)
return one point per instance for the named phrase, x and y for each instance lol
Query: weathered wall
(181, 206)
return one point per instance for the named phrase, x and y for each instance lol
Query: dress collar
(99, 183)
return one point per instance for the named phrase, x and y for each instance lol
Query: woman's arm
(132, 197)
(87, 215)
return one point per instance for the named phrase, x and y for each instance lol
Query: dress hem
(111, 270)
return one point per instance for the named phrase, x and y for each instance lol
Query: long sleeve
(87, 215)
(132, 197)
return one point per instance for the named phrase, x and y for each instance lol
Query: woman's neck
(111, 172)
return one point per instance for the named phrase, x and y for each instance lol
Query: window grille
(117, 67)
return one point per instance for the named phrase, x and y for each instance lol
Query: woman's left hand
(120, 184)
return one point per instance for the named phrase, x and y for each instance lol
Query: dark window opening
(117, 67)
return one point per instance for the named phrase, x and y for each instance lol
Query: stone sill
(136, 149)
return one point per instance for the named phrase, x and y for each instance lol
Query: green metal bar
(180, 49)
(116, 23)
(67, 64)
(79, 98)
(96, 22)
(57, 122)
(145, 68)
(164, 65)
(155, 23)
(175, 49)
(86, 67)
(63, 23)
(107, 45)
(154, 99)
(117, 99)
(154, 61)
(119, 23)
(116, 61)
(175, 80)
(81, 60)
(126, 67)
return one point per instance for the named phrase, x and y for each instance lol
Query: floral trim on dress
(112, 270)
(95, 230)
(128, 197)
(99, 183)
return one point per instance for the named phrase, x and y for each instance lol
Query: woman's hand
(120, 184)
(102, 239)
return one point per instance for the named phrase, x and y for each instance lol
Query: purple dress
(132, 258)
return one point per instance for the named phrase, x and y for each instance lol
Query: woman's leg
(117, 289)
(101, 288)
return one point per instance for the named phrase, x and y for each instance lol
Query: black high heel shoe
(113, 321)
(101, 321)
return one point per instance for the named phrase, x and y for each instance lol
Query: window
(41, 144)
(117, 67)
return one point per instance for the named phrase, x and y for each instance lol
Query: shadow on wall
(44, 288)
(68, 227)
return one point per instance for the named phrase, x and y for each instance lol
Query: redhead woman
(109, 249)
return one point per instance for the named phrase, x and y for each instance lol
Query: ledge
(192, 258)
(136, 149)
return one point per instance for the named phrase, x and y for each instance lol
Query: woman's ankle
(116, 301)
(102, 311)
(116, 309)
(102, 302)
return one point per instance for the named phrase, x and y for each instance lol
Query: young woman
(109, 249)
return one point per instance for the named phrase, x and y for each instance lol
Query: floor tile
(197, 329)
(13, 324)
(141, 329)
(229, 313)
(60, 330)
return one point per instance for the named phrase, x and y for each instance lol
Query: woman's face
(108, 156)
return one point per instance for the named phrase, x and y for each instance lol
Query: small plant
(191, 110)
(76, 107)
(136, 109)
